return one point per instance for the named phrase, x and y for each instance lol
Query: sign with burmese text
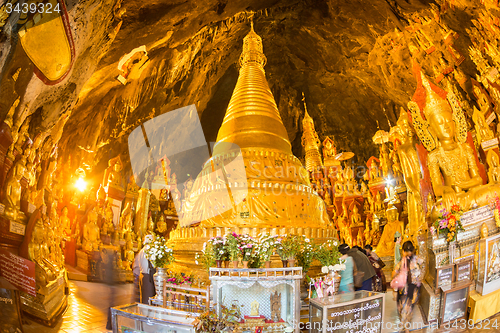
(18, 271)
(445, 276)
(464, 270)
(476, 215)
(455, 306)
(363, 317)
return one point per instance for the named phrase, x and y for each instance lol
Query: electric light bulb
(81, 184)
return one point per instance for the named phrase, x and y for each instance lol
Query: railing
(194, 300)
(256, 273)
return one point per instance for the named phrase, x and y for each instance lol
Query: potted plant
(160, 256)
(218, 249)
(246, 246)
(232, 247)
(291, 247)
(267, 244)
(328, 255)
(306, 253)
(210, 322)
(206, 258)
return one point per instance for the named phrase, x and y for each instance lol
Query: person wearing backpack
(406, 280)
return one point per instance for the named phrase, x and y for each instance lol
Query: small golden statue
(493, 167)
(339, 184)
(161, 225)
(66, 223)
(483, 131)
(12, 199)
(378, 202)
(254, 306)
(385, 247)
(329, 153)
(112, 175)
(355, 216)
(151, 225)
(91, 233)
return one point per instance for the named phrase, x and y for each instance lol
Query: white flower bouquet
(157, 252)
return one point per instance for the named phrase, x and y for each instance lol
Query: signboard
(358, 317)
(490, 119)
(489, 143)
(476, 215)
(454, 302)
(464, 271)
(18, 271)
(9, 310)
(445, 276)
(17, 228)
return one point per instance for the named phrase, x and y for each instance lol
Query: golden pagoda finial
(252, 118)
(310, 141)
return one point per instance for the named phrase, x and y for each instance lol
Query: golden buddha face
(392, 214)
(442, 123)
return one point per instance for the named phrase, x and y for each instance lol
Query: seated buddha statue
(385, 247)
(66, 223)
(375, 232)
(12, 194)
(351, 186)
(339, 184)
(378, 202)
(483, 131)
(451, 161)
(43, 273)
(112, 175)
(367, 233)
(161, 225)
(126, 223)
(356, 217)
(493, 167)
(129, 256)
(91, 233)
(108, 227)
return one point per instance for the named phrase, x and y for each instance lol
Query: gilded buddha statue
(13, 189)
(91, 233)
(36, 254)
(410, 167)
(112, 175)
(441, 126)
(151, 225)
(493, 167)
(339, 184)
(385, 246)
(66, 223)
(483, 131)
(356, 217)
(126, 223)
(161, 225)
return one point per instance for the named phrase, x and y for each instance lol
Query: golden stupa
(253, 183)
(310, 142)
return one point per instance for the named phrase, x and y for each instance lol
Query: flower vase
(245, 263)
(291, 262)
(335, 277)
(235, 263)
(267, 264)
(218, 263)
(285, 263)
(226, 263)
(159, 278)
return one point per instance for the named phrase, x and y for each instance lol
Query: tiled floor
(88, 305)
(87, 309)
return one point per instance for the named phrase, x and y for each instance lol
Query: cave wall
(351, 59)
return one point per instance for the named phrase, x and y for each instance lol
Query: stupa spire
(252, 118)
(310, 141)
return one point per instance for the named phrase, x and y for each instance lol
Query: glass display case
(269, 298)
(139, 317)
(360, 311)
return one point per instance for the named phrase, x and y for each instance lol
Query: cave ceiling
(350, 59)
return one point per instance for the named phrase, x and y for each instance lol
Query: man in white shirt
(143, 269)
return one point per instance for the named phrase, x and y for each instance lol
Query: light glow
(81, 184)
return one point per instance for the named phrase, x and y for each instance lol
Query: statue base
(49, 303)
(430, 303)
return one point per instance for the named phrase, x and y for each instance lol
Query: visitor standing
(407, 296)
(143, 267)
(397, 248)
(379, 281)
(363, 267)
(347, 280)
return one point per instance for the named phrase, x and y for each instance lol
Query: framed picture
(488, 279)
(445, 275)
(454, 300)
